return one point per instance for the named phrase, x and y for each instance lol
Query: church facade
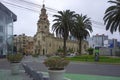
(44, 42)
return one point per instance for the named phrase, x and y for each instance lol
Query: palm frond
(112, 16)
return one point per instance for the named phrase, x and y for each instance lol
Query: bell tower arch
(43, 22)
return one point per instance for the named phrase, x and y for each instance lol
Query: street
(73, 67)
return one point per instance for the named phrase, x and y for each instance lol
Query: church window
(43, 39)
(45, 26)
(50, 44)
(59, 47)
(38, 42)
(84, 46)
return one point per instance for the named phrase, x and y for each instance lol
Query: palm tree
(81, 29)
(62, 26)
(112, 16)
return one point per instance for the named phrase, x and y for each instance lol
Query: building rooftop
(6, 10)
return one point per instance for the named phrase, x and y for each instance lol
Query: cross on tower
(43, 1)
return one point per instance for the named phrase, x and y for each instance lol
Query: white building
(97, 40)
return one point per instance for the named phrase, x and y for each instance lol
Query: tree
(64, 21)
(112, 16)
(81, 29)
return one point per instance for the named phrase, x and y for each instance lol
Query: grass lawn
(91, 58)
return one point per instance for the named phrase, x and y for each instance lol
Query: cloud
(27, 19)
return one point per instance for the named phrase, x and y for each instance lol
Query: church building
(46, 43)
(43, 41)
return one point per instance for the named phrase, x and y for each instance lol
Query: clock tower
(42, 31)
(43, 23)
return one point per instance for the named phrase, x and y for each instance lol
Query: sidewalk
(5, 73)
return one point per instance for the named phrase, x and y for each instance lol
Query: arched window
(84, 46)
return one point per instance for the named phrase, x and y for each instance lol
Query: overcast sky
(27, 19)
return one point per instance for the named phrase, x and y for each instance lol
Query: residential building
(108, 47)
(97, 40)
(23, 43)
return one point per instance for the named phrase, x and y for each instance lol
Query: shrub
(90, 51)
(48, 55)
(56, 63)
(60, 50)
(70, 50)
(35, 55)
(14, 58)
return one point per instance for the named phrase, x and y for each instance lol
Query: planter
(56, 74)
(15, 68)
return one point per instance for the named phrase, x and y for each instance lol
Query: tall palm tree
(63, 23)
(81, 29)
(112, 16)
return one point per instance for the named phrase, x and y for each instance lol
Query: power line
(19, 6)
(22, 7)
(37, 5)
(95, 22)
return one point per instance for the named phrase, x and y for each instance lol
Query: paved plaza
(75, 71)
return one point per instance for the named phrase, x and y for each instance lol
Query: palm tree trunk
(64, 47)
(80, 46)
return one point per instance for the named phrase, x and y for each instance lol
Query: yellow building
(46, 43)
(23, 43)
(43, 41)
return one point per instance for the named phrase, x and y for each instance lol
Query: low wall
(109, 51)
